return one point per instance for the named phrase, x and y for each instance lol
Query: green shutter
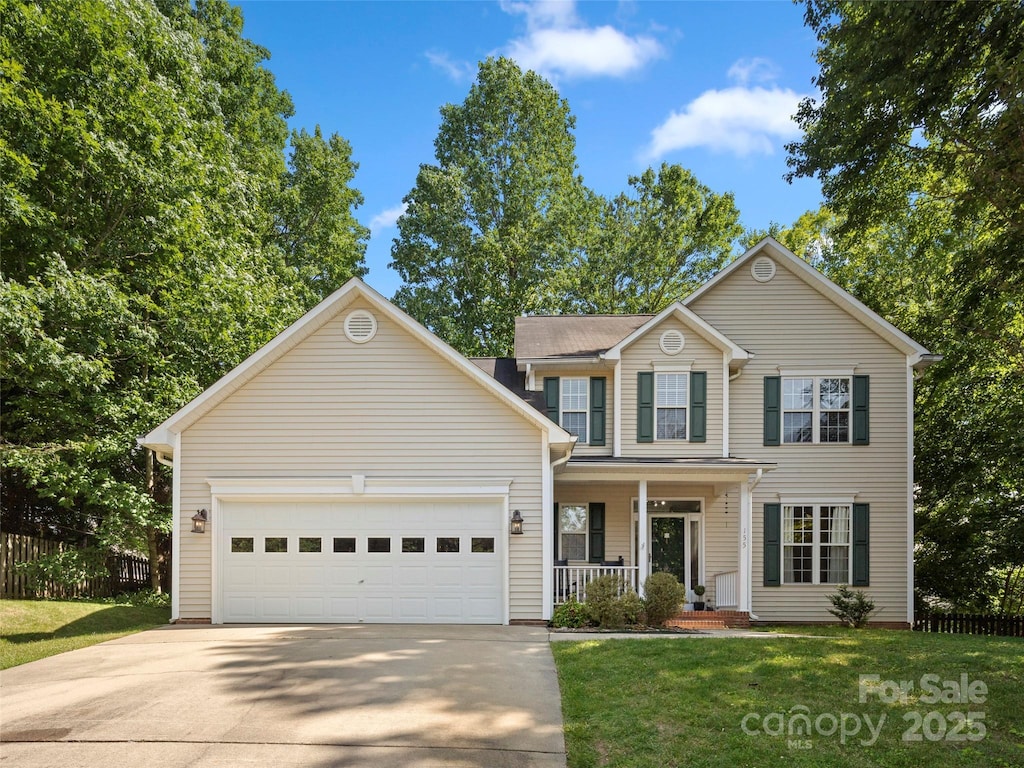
(596, 523)
(645, 407)
(597, 409)
(861, 422)
(558, 544)
(698, 407)
(861, 572)
(772, 410)
(551, 397)
(772, 545)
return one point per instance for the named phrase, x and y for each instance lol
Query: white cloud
(758, 70)
(741, 119)
(387, 218)
(459, 71)
(557, 43)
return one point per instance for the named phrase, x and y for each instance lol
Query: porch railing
(572, 580)
(725, 589)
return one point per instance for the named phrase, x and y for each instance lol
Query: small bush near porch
(682, 702)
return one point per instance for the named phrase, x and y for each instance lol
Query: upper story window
(816, 544)
(816, 409)
(574, 407)
(671, 401)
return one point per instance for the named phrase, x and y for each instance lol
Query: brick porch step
(710, 620)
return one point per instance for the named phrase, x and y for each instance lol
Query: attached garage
(401, 561)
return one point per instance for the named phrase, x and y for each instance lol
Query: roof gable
(162, 437)
(691, 320)
(822, 285)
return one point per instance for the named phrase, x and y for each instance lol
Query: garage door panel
(354, 584)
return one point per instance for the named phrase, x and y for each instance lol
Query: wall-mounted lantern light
(199, 520)
(516, 524)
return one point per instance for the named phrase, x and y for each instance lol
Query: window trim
(585, 533)
(666, 371)
(562, 410)
(816, 505)
(816, 410)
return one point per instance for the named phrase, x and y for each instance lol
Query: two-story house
(756, 438)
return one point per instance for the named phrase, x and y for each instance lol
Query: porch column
(644, 564)
(743, 579)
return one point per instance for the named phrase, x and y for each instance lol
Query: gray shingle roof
(572, 335)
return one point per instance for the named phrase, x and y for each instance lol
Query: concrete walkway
(383, 695)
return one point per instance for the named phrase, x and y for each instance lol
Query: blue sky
(709, 85)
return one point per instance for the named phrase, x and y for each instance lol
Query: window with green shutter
(861, 545)
(772, 409)
(645, 407)
(551, 397)
(698, 407)
(597, 409)
(596, 532)
(772, 545)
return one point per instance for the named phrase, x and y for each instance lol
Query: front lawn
(738, 702)
(35, 629)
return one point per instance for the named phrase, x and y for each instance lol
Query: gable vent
(672, 342)
(763, 269)
(360, 326)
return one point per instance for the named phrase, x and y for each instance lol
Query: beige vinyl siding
(787, 324)
(701, 356)
(387, 408)
(581, 372)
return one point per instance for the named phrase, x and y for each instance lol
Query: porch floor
(710, 620)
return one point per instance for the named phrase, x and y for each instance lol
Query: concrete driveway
(383, 695)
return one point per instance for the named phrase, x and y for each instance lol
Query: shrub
(851, 608)
(603, 603)
(571, 613)
(64, 570)
(633, 608)
(663, 595)
(145, 597)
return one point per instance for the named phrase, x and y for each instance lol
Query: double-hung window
(816, 543)
(572, 531)
(816, 409)
(671, 399)
(574, 407)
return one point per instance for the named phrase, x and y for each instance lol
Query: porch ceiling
(593, 469)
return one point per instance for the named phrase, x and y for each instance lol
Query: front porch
(631, 518)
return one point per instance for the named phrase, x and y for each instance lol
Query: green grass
(682, 702)
(35, 629)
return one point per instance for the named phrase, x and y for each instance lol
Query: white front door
(378, 561)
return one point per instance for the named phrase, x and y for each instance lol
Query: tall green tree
(495, 213)
(652, 247)
(918, 139)
(150, 239)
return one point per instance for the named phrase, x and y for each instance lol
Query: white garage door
(422, 562)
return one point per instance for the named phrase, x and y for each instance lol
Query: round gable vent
(672, 342)
(360, 326)
(763, 269)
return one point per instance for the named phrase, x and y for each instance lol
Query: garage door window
(447, 543)
(483, 544)
(275, 544)
(378, 544)
(309, 544)
(242, 544)
(345, 544)
(413, 544)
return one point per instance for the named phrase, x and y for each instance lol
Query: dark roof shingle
(572, 335)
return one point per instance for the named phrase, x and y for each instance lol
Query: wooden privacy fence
(125, 573)
(970, 624)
